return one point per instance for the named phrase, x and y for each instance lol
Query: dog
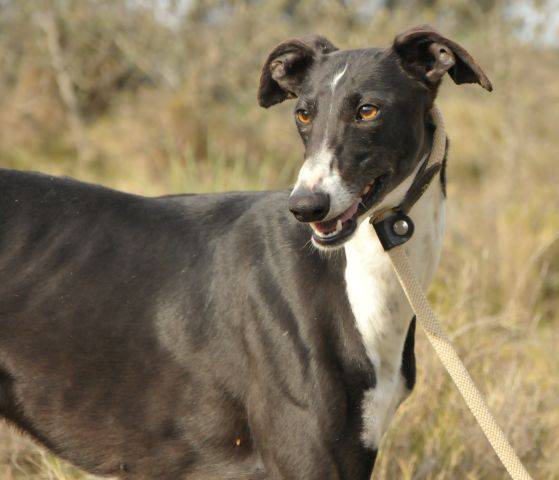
(258, 335)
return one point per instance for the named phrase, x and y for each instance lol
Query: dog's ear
(286, 68)
(426, 55)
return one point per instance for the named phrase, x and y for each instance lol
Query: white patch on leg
(379, 406)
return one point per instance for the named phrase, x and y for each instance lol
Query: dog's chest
(382, 313)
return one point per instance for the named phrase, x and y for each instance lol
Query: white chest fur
(381, 310)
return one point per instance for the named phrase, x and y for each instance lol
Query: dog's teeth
(367, 189)
(338, 226)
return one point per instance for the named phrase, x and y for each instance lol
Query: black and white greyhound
(201, 336)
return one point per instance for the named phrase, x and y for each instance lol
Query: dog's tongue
(330, 225)
(349, 212)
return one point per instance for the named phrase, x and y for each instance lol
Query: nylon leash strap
(394, 230)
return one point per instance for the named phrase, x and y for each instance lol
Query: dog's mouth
(336, 231)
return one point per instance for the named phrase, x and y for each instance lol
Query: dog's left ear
(426, 55)
(286, 68)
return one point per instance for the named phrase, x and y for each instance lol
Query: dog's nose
(309, 206)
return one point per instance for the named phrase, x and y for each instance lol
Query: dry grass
(498, 285)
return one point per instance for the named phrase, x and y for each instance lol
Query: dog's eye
(367, 112)
(303, 116)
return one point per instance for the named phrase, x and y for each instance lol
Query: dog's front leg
(392, 388)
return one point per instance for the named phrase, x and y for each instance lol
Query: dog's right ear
(287, 66)
(427, 55)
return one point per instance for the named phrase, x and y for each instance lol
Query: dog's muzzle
(313, 207)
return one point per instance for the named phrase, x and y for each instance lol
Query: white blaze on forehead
(333, 84)
(337, 78)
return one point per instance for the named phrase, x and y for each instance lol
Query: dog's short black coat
(105, 363)
(201, 336)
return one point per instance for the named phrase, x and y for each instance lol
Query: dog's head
(363, 116)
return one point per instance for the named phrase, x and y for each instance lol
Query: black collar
(393, 226)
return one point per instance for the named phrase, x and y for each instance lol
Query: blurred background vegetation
(158, 96)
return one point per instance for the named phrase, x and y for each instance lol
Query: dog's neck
(381, 310)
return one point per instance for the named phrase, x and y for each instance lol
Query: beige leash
(454, 365)
(400, 228)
